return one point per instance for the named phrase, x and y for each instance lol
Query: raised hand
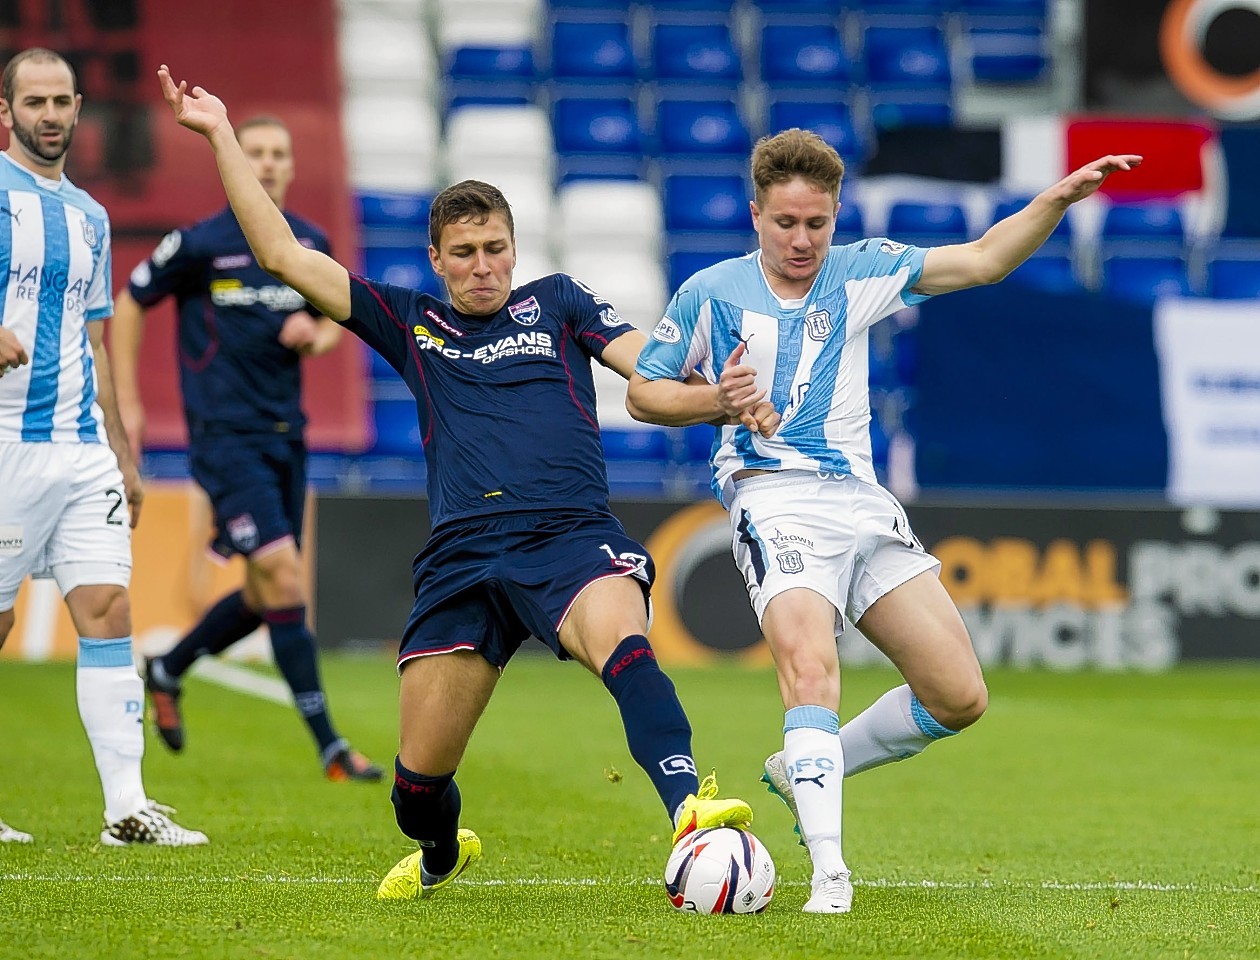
(1083, 182)
(197, 110)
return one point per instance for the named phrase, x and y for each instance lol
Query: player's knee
(277, 585)
(964, 705)
(810, 678)
(102, 611)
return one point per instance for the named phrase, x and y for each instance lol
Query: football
(720, 870)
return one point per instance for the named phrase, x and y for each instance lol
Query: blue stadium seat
(696, 203)
(597, 137)
(698, 442)
(831, 120)
(1143, 221)
(682, 264)
(899, 11)
(999, 12)
(490, 74)
(926, 223)
(849, 224)
(405, 210)
(797, 11)
(636, 443)
(907, 56)
(1145, 278)
(1229, 279)
(810, 55)
(905, 344)
(403, 266)
(710, 128)
(1008, 54)
(397, 428)
(379, 368)
(695, 53)
(894, 111)
(1047, 272)
(592, 52)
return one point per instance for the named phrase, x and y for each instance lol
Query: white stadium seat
(612, 216)
(392, 142)
(632, 283)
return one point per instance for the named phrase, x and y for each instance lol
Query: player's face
(476, 261)
(270, 153)
(43, 113)
(794, 222)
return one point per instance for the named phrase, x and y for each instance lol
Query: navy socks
(657, 730)
(294, 649)
(427, 810)
(226, 622)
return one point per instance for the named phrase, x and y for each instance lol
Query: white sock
(111, 706)
(894, 727)
(814, 760)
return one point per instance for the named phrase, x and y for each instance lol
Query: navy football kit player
(242, 337)
(523, 541)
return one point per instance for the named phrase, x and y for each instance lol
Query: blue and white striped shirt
(55, 257)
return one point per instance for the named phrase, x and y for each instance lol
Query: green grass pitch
(1086, 816)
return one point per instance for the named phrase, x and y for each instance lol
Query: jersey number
(118, 501)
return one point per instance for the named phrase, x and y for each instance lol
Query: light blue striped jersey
(55, 255)
(810, 354)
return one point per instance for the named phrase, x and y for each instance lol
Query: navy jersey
(506, 402)
(235, 375)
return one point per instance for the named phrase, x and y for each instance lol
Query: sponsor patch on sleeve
(667, 331)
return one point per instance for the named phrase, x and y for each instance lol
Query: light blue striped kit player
(70, 489)
(780, 337)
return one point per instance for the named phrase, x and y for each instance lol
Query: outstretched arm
(1010, 242)
(126, 332)
(319, 278)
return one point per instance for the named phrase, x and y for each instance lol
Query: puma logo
(15, 214)
(815, 780)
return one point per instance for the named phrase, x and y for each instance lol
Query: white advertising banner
(1209, 362)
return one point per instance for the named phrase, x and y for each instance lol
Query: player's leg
(7, 833)
(273, 586)
(89, 554)
(441, 698)
(599, 604)
(918, 628)
(799, 625)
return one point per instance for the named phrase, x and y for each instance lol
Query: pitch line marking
(884, 883)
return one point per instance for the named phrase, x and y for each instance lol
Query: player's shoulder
(735, 279)
(75, 196)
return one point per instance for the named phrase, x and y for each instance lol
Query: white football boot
(151, 825)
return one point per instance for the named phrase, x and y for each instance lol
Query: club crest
(818, 324)
(526, 313)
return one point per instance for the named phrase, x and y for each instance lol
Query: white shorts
(841, 537)
(63, 514)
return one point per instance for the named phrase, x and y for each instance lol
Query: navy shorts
(257, 486)
(488, 585)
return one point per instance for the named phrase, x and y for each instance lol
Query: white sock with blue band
(894, 727)
(111, 705)
(814, 760)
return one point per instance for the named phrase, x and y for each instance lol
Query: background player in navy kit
(241, 340)
(523, 541)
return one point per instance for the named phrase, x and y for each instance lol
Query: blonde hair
(796, 153)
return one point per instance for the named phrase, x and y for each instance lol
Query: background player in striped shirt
(780, 336)
(71, 491)
(242, 337)
(523, 539)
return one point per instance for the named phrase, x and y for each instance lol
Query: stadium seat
(902, 9)
(608, 217)
(706, 203)
(907, 56)
(1003, 12)
(809, 55)
(1048, 272)
(490, 74)
(388, 209)
(631, 282)
(1012, 205)
(1145, 279)
(683, 263)
(404, 265)
(1233, 279)
(597, 137)
(798, 11)
(403, 153)
(709, 128)
(1007, 54)
(592, 52)
(491, 22)
(695, 53)
(894, 111)
(849, 223)
(380, 55)
(926, 224)
(397, 426)
(830, 119)
(1143, 221)
(642, 443)
(698, 442)
(532, 263)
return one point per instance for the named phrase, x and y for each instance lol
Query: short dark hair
(262, 120)
(39, 55)
(796, 153)
(472, 200)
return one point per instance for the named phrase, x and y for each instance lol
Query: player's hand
(196, 110)
(299, 332)
(1084, 182)
(737, 390)
(133, 486)
(132, 417)
(765, 418)
(12, 353)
